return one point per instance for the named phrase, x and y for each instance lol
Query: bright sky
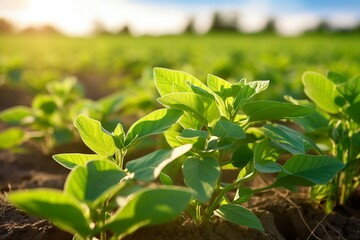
(76, 17)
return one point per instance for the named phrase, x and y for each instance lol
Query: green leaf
(313, 122)
(45, 103)
(227, 130)
(247, 91)
(243, 194)
(63, 210)
(242, 156)
(195, 137)
(336, 77)
(308, 170)
(149, 207)
(285, 138)
(271, 110)
(94, 136)
(89, 183)
(188, 120)
(148, 168)
(119, 136)
(219, 86)
(204, 108)
(265, 157)
(12, 137)
(200, 91)
(201, 175)
(153, 123)
(350, 89)
(71, 160)
(166, 179)
(171, 81)
(17, 115)
(239, 215)
(172, 138)
(63, 136)
(111, 104)
(222, 91)
(322, 92)
(353, 112)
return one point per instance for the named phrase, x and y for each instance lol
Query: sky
(156, 17)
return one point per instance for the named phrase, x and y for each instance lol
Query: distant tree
(323, 27)
(224, 21)
(48, 29)
(99, 28)
(29, 30)
(45, 29)
(124, 30)
(270, 26)
(6, 26)
(190, 25)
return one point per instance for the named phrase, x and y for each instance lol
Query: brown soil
(284, 215)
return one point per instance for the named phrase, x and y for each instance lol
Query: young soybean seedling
(100, 195)
(48, 122)
(230, 130)
(336, 126)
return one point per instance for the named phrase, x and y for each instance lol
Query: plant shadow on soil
(284, 215)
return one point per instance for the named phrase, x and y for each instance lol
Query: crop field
(111, 135)
(115, 62)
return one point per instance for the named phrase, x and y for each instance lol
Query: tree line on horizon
(220, 23)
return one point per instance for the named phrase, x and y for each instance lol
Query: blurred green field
(108, 64)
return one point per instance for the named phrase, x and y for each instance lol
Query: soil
(284, 215)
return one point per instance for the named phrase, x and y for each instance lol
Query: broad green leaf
(119, 136)
(285, 138)
(71, 160)
(172, 138)
(222, 91)
(148, 168)
(243, 194)
(17, 115)
(265, 157)
(313, 122)
(308, 170)
(63, 136)
(227, 130)
(166, 179)
(89, 183)
(111, 104)
(149, 207)
(354, 112)
(246, 172)
(219, 86)
(350, 89)
(215, 143)
(323, 92)
(188, 120)
(204, 108)
(94, 136)
(153, 123)
(195, 137)
(239, 215)
(171, 81)
(63, 210)
(201, 175)
(336, 77)
(200, 91)
(12, 137)
(247, 91)
(270, 110)
(45, 103)
(242, 156)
